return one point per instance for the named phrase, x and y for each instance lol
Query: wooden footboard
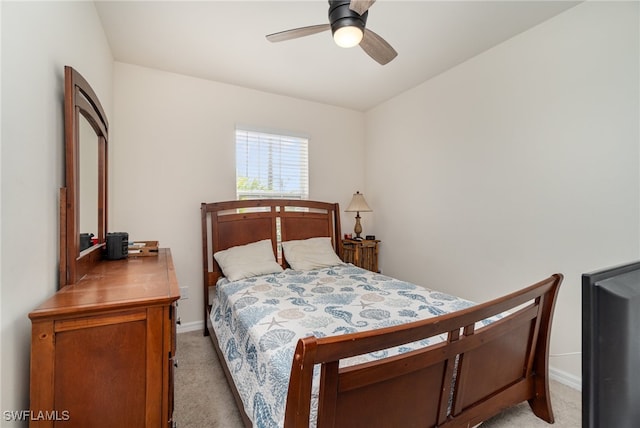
(472, 376)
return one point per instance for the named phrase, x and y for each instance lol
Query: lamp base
(358, 228)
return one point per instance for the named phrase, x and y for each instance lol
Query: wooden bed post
(205, 266)
(298, 409)
(541, 403)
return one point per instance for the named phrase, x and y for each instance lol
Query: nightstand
(363, 253)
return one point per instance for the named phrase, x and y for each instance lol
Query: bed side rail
(473, 375)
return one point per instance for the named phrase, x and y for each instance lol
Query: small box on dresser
(103, 349)
(143, 249)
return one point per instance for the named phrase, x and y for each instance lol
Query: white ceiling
(225, 41)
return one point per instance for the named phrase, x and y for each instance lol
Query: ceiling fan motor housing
(341, 16)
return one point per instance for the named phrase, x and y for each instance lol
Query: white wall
(173, 147)
(38, 40)
(519, 163)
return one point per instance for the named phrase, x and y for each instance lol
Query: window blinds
(271, 165)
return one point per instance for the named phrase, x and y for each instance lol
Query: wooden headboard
(231, 223)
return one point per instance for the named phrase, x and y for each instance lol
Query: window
(271, 166)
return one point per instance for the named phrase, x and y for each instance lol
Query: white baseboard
(190, 326)
(565, 378)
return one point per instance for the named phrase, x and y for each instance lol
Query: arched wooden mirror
(83, 202)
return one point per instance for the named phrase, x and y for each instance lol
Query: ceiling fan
(347, 20)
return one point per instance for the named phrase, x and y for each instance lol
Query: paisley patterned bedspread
(259, 320)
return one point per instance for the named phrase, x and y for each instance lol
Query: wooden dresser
(103, 349)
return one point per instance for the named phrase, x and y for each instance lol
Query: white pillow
(245, 261)
(312, 253)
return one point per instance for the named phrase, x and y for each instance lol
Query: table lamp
(357, 205)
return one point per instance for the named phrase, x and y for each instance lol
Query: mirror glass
(88, 183)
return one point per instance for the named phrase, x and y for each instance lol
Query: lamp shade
(358, 204)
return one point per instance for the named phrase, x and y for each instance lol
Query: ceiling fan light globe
(348, 37)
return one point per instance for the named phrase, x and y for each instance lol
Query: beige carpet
(203, 398)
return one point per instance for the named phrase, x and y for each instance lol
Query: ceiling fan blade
(297, 32)
(361, 6)
(377, 47)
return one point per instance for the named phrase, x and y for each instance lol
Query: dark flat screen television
(611, 347)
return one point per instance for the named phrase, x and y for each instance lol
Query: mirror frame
(80, 99)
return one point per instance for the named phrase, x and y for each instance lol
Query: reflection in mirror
(88, 183)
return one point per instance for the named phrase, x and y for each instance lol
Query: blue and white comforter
(259, 320)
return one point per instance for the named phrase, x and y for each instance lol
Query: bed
(316, 342)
